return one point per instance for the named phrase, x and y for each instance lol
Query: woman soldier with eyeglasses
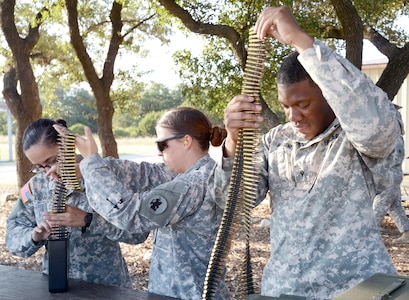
(184, 213)
(94, 252)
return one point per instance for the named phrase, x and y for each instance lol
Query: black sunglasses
(163, 144)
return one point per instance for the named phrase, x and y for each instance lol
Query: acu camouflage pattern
(388, 198)
(324, 239)
(94, 256)
(183, 237)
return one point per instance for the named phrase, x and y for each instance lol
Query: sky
(162, 65)
(160, 57)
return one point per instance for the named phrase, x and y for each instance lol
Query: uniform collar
(323, 135)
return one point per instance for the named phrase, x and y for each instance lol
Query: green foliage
(127, 90)
(74, 106)
(121, 132)
(130, 131)
(158, 97)
(212, 78)
(77, 128)
(125, 119)
(147, 124)
(142, 101)
(125, 97)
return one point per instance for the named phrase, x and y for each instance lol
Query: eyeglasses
(40, 168)
(163, 144)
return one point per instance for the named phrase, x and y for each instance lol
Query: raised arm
(280, 23)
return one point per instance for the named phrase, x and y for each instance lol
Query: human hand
(86, 146)
(280, 23)
(41, 231)
(52, 172)
(241, 112)
(73, 217)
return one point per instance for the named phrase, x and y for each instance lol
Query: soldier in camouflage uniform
(388, 199)
(184, 214)
(318, 168)
(94, 252)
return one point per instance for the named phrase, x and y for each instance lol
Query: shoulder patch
(161, 203)
(25, 193)
(157, 204)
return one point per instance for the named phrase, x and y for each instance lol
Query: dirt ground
(137, 256)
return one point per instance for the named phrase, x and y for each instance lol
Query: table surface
(376, 286)
(23, 284)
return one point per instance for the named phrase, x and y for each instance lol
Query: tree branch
(138, 24)
(352, 27)
(380, 42)
(78, 44)
(114, 43)
(235, 40)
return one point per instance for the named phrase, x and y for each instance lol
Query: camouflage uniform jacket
(184, 213)
(94, 255)
(323, 236)
(388, 198)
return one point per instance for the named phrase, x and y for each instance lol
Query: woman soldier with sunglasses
(94, 252)
(184, 213)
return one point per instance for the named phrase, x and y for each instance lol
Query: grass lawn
(126, 146)
(140, 145)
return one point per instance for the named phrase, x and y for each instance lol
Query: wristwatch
(87, 220)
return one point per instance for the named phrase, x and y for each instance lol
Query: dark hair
(187, 120)
(41, 132)
(291, 71)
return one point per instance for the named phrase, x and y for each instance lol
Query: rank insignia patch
(157, 205)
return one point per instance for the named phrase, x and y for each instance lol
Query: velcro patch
(157, 205)
(161, 202)
(25, 193)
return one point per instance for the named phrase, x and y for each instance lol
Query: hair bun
(217, 135)
(61, 122)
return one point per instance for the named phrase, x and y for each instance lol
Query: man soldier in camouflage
(318, 167)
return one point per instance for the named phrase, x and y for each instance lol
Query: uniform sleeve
(363, 109)
(101, 226)
(16, 209)
(135, 176)
(19, 228)
(146, 204)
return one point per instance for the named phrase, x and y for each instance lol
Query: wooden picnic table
(24, 284)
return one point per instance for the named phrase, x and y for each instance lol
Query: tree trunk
(100, 86)
(395, 73)
(25, 107)
(104, 121)
(353, 30)
(397, 68)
